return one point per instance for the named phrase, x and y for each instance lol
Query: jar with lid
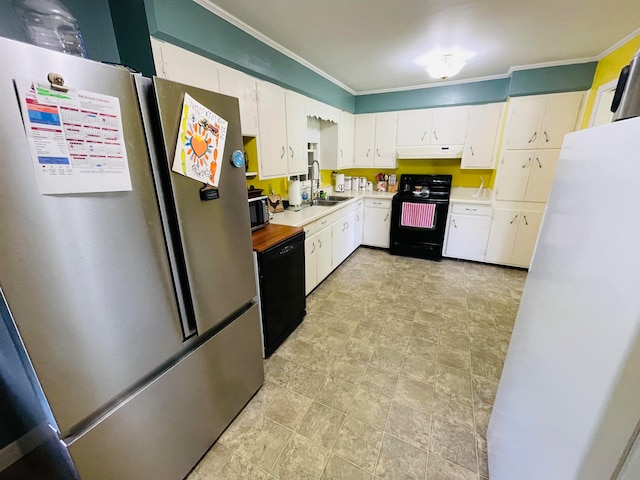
(49, 24)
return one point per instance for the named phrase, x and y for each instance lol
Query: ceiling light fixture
(446, 66)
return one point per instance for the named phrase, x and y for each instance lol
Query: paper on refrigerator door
(75, 138)
(200, 145)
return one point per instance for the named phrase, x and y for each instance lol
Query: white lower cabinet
(359, 223)
(324, 256)
(317, 252)
(377, 222)
(310, 264)
(526, 175)
(310, 258)
(513, 236)
(467, 231)
(344, 236)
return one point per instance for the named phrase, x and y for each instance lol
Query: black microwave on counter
(258, 212)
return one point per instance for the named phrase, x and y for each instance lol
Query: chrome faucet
(314, 187)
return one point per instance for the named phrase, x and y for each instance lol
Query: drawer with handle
(324, 222)
(309, 229)
(471, 209)
(377, 203)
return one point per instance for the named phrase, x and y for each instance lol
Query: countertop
(466, 195)
(311, 214)
(271, 235)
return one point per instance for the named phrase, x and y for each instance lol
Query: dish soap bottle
(49, 24)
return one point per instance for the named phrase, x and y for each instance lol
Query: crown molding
(236, 22)
(432, 85)
(216, 10)
(619, 43)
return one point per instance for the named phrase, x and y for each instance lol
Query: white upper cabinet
(525, 118)
(363, 140)
(385, 140)
(237, 84)
(179, 65)
(560, 118)
(414, 127)
(433, 126)
(296, 133)
(449, 125)
(526, 175)
(542, 121)
(272, 131)
(345, 140)
(514, 175)
(483, 130)
(375, 140)
(541, 173)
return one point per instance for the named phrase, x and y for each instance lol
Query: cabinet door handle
(525, 220)
(453, 222)
(291, 150)
(341, 153)
(343, 226)
(423, 135)
(535, 135)
(435, 134)
(471, 148)
(385, 218)
(357, 218)
(377, 203)
(319, 244)
(539, 164)
(282, 154)
(546, 137)
(471, 209)
(377, 152)
(527, 163)
(313, 249)
(514, 219)
(347, 225)
(368, 152)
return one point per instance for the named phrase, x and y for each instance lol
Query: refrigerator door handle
(151, 124)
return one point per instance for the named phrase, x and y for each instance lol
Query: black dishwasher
(282, 298)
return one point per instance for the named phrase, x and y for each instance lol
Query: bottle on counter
(49, 24)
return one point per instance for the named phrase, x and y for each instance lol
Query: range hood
(427, 152)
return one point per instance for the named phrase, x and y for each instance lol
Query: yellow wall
(461, 178)
(608, 69)
(279, 185)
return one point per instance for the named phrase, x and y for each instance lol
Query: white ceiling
(370, 46)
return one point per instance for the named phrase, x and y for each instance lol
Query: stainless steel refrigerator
(568, 404)
(136, 308)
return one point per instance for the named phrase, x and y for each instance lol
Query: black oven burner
(419, 216)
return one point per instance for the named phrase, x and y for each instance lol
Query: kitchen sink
(325, 203)
(333, 198)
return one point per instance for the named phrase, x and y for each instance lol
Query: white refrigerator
(568, 402)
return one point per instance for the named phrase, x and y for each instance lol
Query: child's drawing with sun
(200, 142)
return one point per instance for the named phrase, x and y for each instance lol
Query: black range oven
(419, 216)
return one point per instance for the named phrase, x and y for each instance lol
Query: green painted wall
(188, 25)
(132, 35)
(94, 20)
(565, 78)
(118, 31)
(488, 91)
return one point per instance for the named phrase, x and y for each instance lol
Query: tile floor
(391, 375)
